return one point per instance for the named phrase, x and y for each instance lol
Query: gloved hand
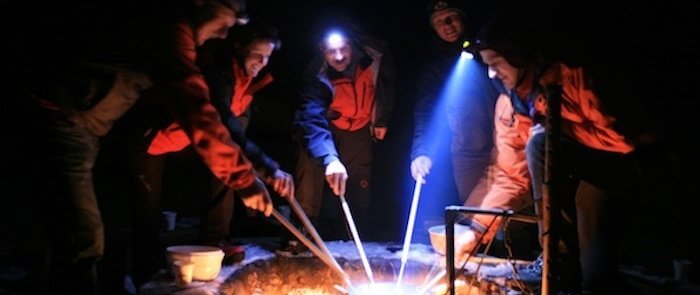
(283, 183)
(420, 166)
(336, 176)
(257, 197)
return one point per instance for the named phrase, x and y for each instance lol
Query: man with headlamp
(346, 101)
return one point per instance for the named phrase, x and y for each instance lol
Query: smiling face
(216, 27)
(448, 25)
(257, 55)
(500, 68)
(337, 52)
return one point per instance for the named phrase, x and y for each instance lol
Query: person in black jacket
(235, 72)
(468, 110)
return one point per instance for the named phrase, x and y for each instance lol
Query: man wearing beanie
(469, 113)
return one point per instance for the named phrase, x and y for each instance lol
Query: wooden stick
(310, 227)
(328, 260)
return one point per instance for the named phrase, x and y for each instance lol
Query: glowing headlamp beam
(335, 40)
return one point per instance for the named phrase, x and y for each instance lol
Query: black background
(660, 34)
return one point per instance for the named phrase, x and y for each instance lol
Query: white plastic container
(438, 237)
(207, 260)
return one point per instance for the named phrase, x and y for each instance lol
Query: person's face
(338, 54)
(217, 27)
(448, 25)
(257, 56)
(500, 68)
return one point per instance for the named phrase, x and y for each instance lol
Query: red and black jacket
(318, 94)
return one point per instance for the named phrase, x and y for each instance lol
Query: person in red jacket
(605, 165)
(90, 86)
(233, 89)
(231, 69)
(346, 97)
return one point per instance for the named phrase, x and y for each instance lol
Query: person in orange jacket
(233, 89)
(92, 85)
(234, 71)
(604, 163)
(347, 96)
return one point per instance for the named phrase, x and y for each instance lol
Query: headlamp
(242, 18)
(467, 50)
(335, 40)
(440, 5)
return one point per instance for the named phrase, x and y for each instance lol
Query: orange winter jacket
(353, 101)
(582, 117)
(173, 138)
(508, 177)
(582, 120)
(244, 89)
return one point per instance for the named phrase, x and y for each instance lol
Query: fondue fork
(356, 237)
(409, 228)
(299, 211)
(325, 257)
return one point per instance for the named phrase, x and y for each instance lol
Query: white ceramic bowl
(438, 237)
(207, 260)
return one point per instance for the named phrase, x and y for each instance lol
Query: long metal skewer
(409, 229)
(327, 259)
(356, 237)
(309, 227)
(432, 282)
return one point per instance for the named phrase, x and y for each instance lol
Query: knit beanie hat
(434, 6)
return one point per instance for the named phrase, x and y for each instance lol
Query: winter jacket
(582, 120)
(232, 93)
(163, 49)
(510, 177)
(582, 115)
(317, 94)
(233, 99)
(353, 99)
(474, 93)
(458, 96)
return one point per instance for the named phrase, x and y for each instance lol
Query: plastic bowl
(438, 237)
(207, 260)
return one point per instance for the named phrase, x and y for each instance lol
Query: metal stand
(551, 209)
(451, 213)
